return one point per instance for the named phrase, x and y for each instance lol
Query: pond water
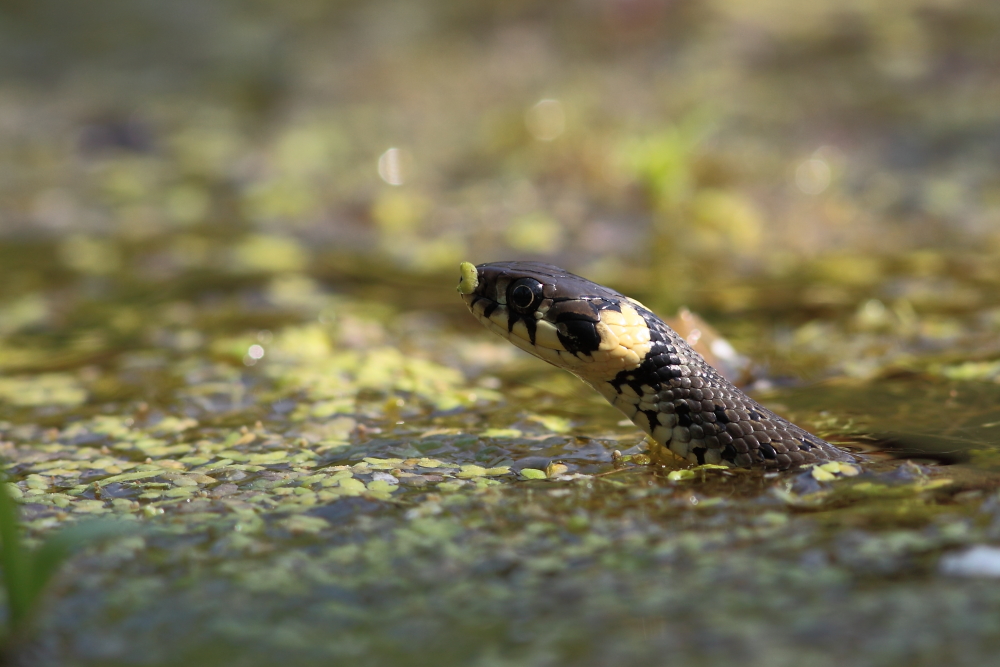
(353, 497)
(228, 317)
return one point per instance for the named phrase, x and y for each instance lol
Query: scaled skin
(644, 368)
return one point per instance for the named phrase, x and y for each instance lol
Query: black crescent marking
(580, 335)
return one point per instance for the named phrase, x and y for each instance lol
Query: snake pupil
(522, 295)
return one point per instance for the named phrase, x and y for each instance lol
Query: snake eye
(524, 294)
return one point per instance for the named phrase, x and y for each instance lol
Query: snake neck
(691, 411)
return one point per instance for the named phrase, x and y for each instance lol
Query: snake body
(638, 363)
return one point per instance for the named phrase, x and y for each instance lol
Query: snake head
(557, 316)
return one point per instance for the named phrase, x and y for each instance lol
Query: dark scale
(719, 411)
(741, 430)
(683, 411)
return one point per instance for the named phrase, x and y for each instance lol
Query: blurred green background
(678, 147)
(229, 237)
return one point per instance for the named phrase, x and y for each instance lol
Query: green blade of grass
(25, 573)
(15, 560)
(45, 561)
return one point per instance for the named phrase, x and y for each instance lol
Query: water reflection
(393, 166)
(546, 120)
(812, 176)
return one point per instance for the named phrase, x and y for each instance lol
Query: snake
(639, 364)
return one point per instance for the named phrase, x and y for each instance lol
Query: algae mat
(340, 492)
